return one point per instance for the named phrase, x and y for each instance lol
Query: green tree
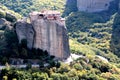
(71, 6)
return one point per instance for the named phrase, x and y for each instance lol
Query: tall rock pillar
(46, 31)
(52, 36)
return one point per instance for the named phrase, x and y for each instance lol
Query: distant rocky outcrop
(91, 6)
(97, 5)
(45, 31)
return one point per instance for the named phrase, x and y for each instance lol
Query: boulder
(25, 31)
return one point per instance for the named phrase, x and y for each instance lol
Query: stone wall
(93, 5)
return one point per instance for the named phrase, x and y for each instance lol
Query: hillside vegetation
(8, 14)
(7, 21)
(88, 68)
(97, 32)
(92, 32)
(115, 39)
(24, 7)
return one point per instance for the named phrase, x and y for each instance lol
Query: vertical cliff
(51, 36)
(93, 5)
(46, 32)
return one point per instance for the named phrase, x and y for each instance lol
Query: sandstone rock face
(93, 5)
(51, 36)
(25, 30)
(45, 34)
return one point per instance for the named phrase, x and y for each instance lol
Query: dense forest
(90, 34)
(94, 31)
(24, 7)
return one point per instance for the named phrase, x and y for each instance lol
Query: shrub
(11, 17)
(78, 66)
(40, 76)
(4, 60)
(72, 73)
(14, 79)
(5, 78)
(71, 6)
(64, 77)
(106, 75)
(24, 43)
(11, 37)
(29, 66)
(58, 76)
(93, 77)
(2, 14)
(64, 68)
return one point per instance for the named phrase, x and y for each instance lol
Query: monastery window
(55, 18)
(41, 16)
